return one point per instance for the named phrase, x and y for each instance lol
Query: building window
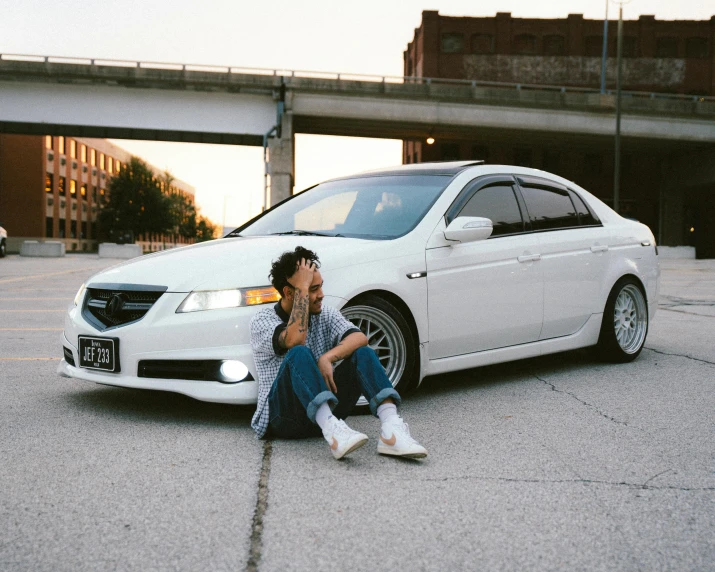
(62, 186)
(83, 191)
(101, 160)
(109, 164)
(554, 45)
(61, 145)
(117, 166)
(83, 153)
(523, 157)
(666, 48)
(73, 229)
(525, 44)
(84, 230)
(48, 141)
(94, 194)
(92, 157)
(73, 187)
(594, 46)
(482, 44)
(49, 227)
(452, 43)
(73, 148)
(696, 48)
(49, 182)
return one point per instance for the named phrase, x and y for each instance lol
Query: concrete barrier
(46, 249)
(111, 250)
(687, 252)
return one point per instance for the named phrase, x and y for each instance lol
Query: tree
(205, 229)
(135, 203)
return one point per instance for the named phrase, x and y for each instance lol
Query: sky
(366, 37)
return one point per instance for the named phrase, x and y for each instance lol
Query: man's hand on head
(303, 276)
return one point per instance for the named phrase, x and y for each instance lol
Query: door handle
(599, 248)
(529, 257)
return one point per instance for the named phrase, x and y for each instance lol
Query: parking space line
(30, 359)
(21, 278)
(36, 311)
(16, 299)
(30, 329)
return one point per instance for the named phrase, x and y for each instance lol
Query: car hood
(237, 262)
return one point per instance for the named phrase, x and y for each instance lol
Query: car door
(485, 294)
(574, 254)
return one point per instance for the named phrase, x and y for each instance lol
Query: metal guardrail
(339, 76)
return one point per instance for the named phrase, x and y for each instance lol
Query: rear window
(549, 208)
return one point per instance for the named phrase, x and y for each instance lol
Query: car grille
(195, 370)
(107, 307)
(69, 358)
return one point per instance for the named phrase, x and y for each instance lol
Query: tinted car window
(549, 208)
(584, 215)
(497, 203)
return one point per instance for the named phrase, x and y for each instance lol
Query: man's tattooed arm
(296, 331)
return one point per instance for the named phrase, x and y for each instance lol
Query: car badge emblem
(114, 305)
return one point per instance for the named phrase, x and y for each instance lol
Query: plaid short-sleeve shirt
(325, 331)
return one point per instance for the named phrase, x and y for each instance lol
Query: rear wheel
(391, 337)
(625, 322)
(3, 248)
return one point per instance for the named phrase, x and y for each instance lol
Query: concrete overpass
(210, 104)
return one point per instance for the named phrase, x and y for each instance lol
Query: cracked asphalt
(555, 463)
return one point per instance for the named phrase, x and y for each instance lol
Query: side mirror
(468, 229)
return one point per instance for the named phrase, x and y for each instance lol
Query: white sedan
(444, 266)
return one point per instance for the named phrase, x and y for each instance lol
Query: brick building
(658, 56)
(52, 187)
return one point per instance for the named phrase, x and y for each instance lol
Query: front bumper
(164, 335)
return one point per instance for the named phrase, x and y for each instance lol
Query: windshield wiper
(305, 233)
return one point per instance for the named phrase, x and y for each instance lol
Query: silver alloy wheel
(630, 319)
(384, 336)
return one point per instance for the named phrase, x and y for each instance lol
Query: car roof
(450, 168)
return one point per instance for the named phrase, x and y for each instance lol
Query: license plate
(99, 353)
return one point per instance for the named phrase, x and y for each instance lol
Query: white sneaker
(342, 439)
(399, 443)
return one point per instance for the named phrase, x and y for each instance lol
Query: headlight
(80, 293)
(220, 299)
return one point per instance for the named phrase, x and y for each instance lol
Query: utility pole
(604, 55)
(619, 78)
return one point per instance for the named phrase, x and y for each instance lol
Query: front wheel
(391, 337)
(625, 322)
(3, 248)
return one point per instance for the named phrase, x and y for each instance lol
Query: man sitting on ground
(295, 346)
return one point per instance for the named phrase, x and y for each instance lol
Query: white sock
(386, 412)
(323, 414)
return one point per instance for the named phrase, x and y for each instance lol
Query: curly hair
(285, 266)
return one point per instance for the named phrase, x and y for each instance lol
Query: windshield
(371, 207)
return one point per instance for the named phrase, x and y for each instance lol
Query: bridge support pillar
(281, 162)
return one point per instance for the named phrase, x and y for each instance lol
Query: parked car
(3, 241)
(444, 266)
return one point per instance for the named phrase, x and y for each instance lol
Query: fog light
(233, 371)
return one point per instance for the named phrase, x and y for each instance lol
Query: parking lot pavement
(558, 462)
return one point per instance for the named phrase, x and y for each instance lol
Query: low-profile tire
(3, 248)
(625, 322)
(390, 336)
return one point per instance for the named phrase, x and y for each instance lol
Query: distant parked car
(444, 266)
(3, 241)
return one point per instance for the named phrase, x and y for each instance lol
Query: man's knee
(364, 353)
(299, 352)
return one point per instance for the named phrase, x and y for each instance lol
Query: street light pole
(619, 77)
(604, 55)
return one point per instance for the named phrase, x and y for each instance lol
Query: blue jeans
(299, 390)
